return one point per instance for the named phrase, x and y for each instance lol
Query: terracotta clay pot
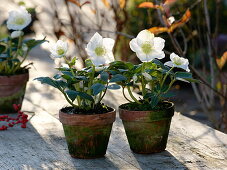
(147, 131)
(12, 90)
(87, 136)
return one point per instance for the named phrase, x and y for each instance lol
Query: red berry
(23, 125)
(10, 125)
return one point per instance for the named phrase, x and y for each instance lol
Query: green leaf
(113, 86)
(72, 94)
(61, 83)
(47, 80)
(31, 43)
(57, 76)
(104, 76)
(117, 78)
(85, 96)
(159, 63)
(88, 63)
(97, 88)
(168, 94)
(68, 73)
(81, 78)
(73, 62)
(154, 101)
(183, 75)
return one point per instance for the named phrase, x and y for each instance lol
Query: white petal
(155, 54)
(109, 57)
(108, 43)
(172, 56)
(98, 61)
(142, 56)
(96, 40)
(184, 67)
(159, 43)
(169, 63)
(21, 13)
(16, 34)
(133, 45)
(145, 36)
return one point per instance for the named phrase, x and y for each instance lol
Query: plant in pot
(87, 122)
(147, 120)
(13, 52)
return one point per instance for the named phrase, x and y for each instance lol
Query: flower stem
(164, 79)
(131, 95)
(123, 90)
(143, 82)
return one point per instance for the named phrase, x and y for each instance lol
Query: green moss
(6, 103)
(147, 137)
(87, 142)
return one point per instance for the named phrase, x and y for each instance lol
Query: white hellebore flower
(147, 76)
(100, 50)
(16, 34)
(147, 47)
(59, 49)
(19, 19)
(177, 61)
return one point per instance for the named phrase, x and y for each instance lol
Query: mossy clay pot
(147, 131)
(12, 91)
(87, 135)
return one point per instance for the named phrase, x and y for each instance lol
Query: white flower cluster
(17, 21)
(146, 46)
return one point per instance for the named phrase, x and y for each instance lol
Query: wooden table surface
(191, 145)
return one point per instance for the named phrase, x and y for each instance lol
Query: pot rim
(135, 111)
(87, 119)
(147, 116)
(14, 80)
(15, 75)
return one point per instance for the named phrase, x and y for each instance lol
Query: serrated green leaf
(31, 43)
(47, 80)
